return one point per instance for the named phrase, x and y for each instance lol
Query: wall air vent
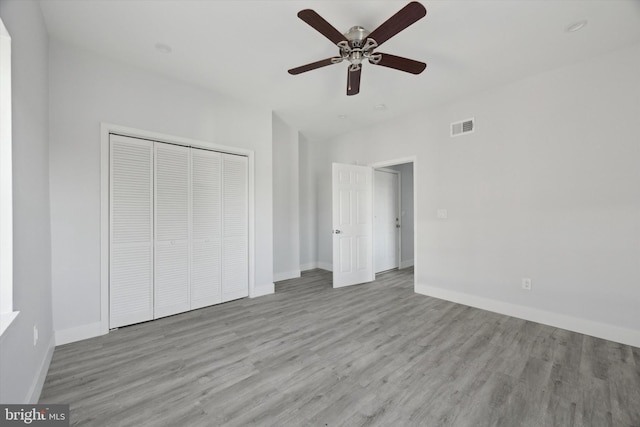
(463, 127)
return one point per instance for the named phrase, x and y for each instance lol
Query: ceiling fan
(358, 44)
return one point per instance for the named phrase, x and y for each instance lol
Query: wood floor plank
(375, 354)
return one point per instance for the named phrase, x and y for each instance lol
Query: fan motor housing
(356, 35)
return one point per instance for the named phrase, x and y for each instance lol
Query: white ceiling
(243, 49)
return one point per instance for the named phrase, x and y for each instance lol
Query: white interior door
(130, 231)
(386, 220)
(179, 229)
(235, 247)
(352, 225)
(206, 228)
(172, 230)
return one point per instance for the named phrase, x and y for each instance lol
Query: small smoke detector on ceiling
(463, 127)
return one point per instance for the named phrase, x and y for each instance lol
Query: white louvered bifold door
(206, 236)
(235, 264)
(172, 230)
(130, 231)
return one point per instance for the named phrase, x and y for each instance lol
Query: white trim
(309, 266)
(33, 395)
(105, 130)
(254, 290)
(406, 263)
(7, 315)
(325, 266)
(263, 290)
(104, 228)
(278, 277)
(387, 170)
(394, 162)
(79, 333)
(6, 319)
(575, 324)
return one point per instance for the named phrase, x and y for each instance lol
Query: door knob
(337, 231)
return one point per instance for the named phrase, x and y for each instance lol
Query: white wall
(406, 212)
(548, 187)
(85, 90)
(308, 216)
(320, 231)
(23, 366)
(286, 218)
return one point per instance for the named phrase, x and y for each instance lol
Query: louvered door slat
(172, 223)
(235, 264)
(131, 231)
(206, 211)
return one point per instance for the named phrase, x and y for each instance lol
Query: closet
(178, 229)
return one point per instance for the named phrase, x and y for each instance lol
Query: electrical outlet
(35, 335)
(526, 283)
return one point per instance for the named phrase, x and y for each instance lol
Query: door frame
(399, 161)
(398, 201)
(109, 128)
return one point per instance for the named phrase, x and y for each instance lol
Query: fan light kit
(359, 44)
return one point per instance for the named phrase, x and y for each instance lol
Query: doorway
(394, 226)
(353, 230)
(386, 219)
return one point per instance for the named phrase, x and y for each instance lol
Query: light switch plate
(442, 214)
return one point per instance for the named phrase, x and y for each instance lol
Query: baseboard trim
(33, 395)
(575, 324)
(308, 266)
(260, 291)
(325, 266)
(78, 333)
(316, 264)
(279, 277)
(406, 263)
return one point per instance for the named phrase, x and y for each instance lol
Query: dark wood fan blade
(323, 27)
(312, 66)
(400, 63)
(353, 81)
(408, 15)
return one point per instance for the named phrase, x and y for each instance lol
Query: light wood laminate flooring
(373, 354)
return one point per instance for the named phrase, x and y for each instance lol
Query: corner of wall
(262, 290)
(79, 333)
(406, 263)
(286, 275)
(325, 266)
(33, 395)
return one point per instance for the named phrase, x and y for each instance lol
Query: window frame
(7, 315)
